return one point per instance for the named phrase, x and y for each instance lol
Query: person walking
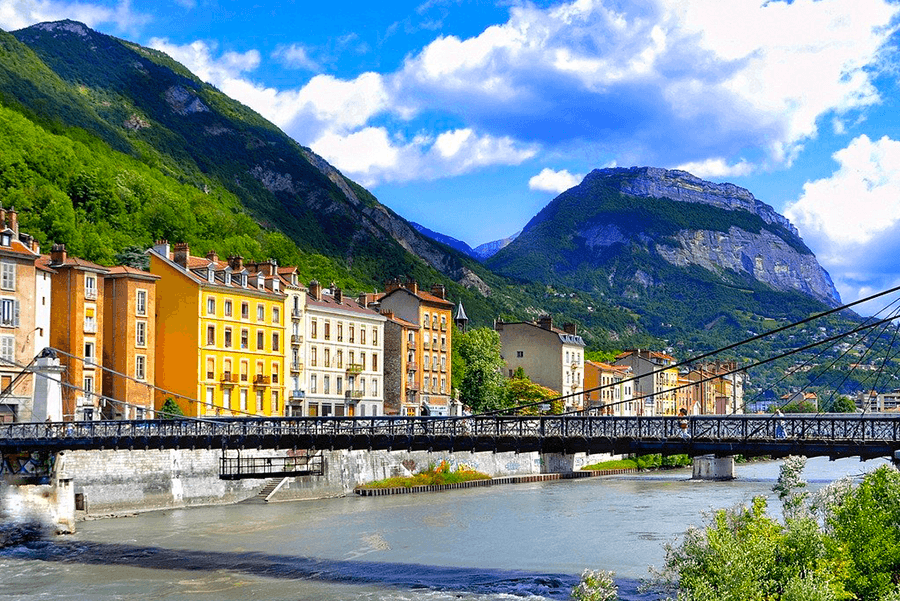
(683, 422)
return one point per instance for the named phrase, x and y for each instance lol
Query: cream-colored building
(343, 349)
(656, 383)
(549, 356)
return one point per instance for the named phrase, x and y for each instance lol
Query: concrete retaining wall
(114, 482)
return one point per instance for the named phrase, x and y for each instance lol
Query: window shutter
(16, 314)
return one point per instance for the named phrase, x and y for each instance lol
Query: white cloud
(859, 200)
(295, 56)
(852, 218)
(717, 168)
(16, 14)
(549, 180)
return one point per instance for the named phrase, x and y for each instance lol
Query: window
(260, 312)
(140, 302)
(244, 369)
(226, 398)
(274, 401)
(339, 385)
(327, 330)
(260, 340)
(140, 333)
(276, 315)
(362, 386)
(374, 387)
(244, 399)
(210, 335)
(90, 286)
(362, 360)
(227, 308)
(426, 319)
(326, 384)
(210, 305)
(340, 358)
(312, 328)
(443, 384)
(374, 336)
(312, 356)
(327, 357)
(520, 354)
(426, 360)
(245, 310)
(275, 369)
(374, 362)
(210, 368)
(275, 342)
(140, 367)
(227, 337)
(9, 313)
(362, 335)
(88, 385)
(312, 383)
(90, 357)
(352, 328)
(245, 338)
(340, 332)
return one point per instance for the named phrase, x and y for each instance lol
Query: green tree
(483, 387)
(842, 404)
(169, 410)
(520, 390)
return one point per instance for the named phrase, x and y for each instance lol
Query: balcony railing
(261, 380)
(90, 326)
(90, 362)
(228, 378)
(444, 368)
(354, 394)
(296, 314)
(444, 347)
(354, 368)
(412, 366)
(298, 394)
(411, 345)
(90, 293)
(296, 366)
(296, 339)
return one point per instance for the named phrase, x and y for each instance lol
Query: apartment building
(608, 389)
(220, 334)
(344, 355)
(550, 356)
(423, 359)
(24, 317)
(401, 387)
(129, 352)
(295, 311)
(656, 383)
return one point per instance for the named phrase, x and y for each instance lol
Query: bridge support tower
(710, 467)
(52, 503)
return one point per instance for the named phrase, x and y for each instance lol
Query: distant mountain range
(108, 145)
(480, 252)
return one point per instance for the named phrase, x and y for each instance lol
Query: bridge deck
(866, 436)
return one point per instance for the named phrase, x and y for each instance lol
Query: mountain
(482, 252)
(64, 77)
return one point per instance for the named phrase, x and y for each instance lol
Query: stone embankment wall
(115, 482)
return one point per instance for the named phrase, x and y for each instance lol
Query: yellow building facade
(220, 335)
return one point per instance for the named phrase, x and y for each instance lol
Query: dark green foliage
(169, 410)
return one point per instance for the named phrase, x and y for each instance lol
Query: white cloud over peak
(717, 168)
(16, 14)
(549, 180)
(295, 56)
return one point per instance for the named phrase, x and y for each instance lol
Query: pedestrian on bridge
(683, 422)
(779, 424)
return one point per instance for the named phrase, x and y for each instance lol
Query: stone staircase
(267, 491)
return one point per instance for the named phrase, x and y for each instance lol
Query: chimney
(366, 299)
(439, 291)
(338, 294)
(181, 253)
(57, 254)
(391, 285)
(2, 218)
(412, 285)
(570, 328)
(12, 220)
(315, 289)
(236, 262)
(545, 322)
(161, 247)
(388, 314)
(269, 268)
(212, 256)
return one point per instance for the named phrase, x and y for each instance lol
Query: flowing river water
(479, 544)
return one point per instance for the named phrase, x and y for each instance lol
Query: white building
(343, 350)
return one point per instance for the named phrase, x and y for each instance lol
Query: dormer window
(5, 239)
(243, 279)
(260, 282)
(275, 285)
(210, 274)
(227, 277)
(294, 280)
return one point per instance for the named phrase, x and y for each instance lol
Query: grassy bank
(433, 475)
(642, 462)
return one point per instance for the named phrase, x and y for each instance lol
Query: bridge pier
(52, 503)
(710, 467)
(896, 459)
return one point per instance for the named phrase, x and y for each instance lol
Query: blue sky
(468, 116)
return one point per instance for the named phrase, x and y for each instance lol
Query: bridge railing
(859, 428)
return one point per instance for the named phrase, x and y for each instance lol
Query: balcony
(443, 327)
(354, 394)
(228, 378)
(296, 339)
(296, 314)
(90, 293)
(298, 394)
(90, 362)
(434, 345)
(296, 367)
(412, 366)
(444, 368)
(261, 380)
(411, 345)
(354, 368)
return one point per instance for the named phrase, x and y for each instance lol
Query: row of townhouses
(229, 337)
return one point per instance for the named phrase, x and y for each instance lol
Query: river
(480, 544)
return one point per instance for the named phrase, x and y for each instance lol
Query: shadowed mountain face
(629, 231)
